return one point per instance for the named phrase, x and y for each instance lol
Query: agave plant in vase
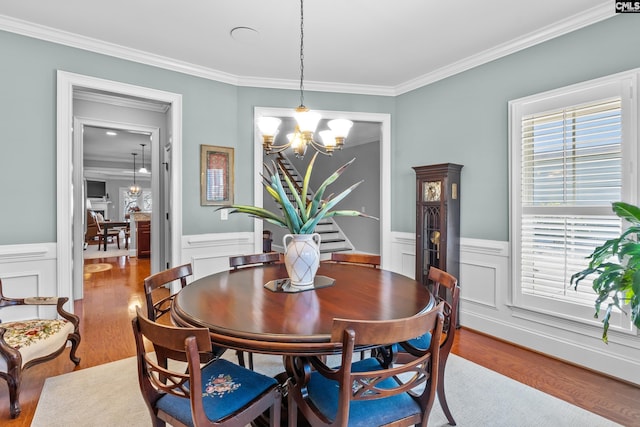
(300, 217)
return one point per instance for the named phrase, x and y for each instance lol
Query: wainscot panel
(28, 270)
(485, 306)
(209, 253)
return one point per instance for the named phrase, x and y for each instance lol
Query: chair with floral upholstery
(212, 392)
(25, 343)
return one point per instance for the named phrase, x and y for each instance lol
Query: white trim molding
(66, 82)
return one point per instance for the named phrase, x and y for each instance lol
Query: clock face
(431, 191)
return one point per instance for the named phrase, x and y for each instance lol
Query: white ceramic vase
(301, 257)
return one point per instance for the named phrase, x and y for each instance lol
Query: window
(572, 155)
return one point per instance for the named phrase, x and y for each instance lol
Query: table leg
(106, 229)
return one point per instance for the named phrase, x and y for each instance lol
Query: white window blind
(571, 172)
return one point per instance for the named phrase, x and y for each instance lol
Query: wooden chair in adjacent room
(94, 220)
(370, 391)
(356, 258)
(217, 393)
(245, 261)
(446, 289)
(25, 343)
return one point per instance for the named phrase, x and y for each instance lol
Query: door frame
(384, 120)
(69, 183)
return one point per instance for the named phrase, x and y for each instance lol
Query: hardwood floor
(111, 295)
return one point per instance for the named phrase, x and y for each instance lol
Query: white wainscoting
(28, 270)
(485, 295)
(209, 253)
(486, 307)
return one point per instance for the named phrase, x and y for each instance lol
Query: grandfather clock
(437, 219)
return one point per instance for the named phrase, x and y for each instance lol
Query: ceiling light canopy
(306, 122)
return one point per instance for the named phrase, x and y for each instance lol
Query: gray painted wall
(464, 119)
(461, 119)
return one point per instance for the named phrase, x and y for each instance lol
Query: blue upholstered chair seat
(323, 392)
(422, 342)
(226, 387)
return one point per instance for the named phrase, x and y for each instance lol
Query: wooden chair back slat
(356, 258)
(239, 261)
(159, 301)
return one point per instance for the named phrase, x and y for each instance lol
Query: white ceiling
(364, 46)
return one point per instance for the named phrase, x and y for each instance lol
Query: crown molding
(310, 85)
(557, 29)
(120, 101)
(98, 46)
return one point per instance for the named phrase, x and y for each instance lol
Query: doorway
(70, 206)
(109, 153)
(384, 121)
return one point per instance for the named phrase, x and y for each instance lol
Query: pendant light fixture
(143, 169)
(306, 122)
(134, 189)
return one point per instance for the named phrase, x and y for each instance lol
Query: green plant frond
(296, 196)
(635, 283)
(293, 219)
(307, 179)
(315, 219)
(273, 193)
(330, 180)
(255, 211)
(628, 212)
(603, 252)
(605, 324)
(576, 278)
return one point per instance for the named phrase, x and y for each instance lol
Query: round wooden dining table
(242, 314)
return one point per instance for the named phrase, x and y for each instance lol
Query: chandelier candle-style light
(135, 189)
(306, 122)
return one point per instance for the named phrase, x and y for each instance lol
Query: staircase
(332, 238)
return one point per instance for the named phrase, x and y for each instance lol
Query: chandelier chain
(301, 53)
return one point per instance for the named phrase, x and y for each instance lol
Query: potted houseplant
(300, 217)
(616, 266)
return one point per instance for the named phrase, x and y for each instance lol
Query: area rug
(97, 268)
(108, 396)
(92, 252)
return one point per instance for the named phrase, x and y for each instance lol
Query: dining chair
(158, 296)
(447, 291)
(212, 391)
(25, 343)
(94, 220)
(372, 391)
(245, 261)
(356, 258)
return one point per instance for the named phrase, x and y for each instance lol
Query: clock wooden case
(437, 219)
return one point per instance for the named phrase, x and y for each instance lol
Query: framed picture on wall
(216, 175)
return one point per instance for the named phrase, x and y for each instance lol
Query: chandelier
(143, 169)
(306, 122)
(134, 189)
